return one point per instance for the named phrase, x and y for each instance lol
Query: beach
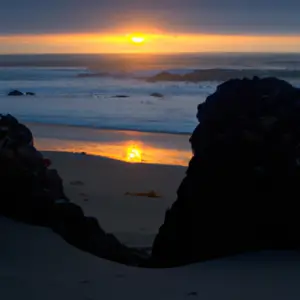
(36, 263)
(122, 155)
(101, 169)
(124, 145)
(99, 185)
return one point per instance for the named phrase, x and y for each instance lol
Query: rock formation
(15, 93)
(240, 193)
(241, 190)
(18, 93)
(33, 193)
(220, 75)
(120, 96)
(157, 95)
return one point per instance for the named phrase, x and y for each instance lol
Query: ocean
(84, 90)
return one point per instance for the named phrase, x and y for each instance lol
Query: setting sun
(137, 39)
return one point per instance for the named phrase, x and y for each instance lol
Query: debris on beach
(150, 194)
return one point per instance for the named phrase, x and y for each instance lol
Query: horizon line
(152, 53)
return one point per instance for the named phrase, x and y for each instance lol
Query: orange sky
(155, 43)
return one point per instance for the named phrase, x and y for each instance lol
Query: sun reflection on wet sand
(129, 151)
(134, 154)
(129, 146)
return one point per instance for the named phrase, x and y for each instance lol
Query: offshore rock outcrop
(15, 93)
(241, 190)
(218, 75)
(18, 93)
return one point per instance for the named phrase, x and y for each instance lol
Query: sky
(95, 26)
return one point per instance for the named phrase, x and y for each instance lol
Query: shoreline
(128, 146)
(115, 129)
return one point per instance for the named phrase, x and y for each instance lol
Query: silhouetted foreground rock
(32, 193)
(241, 190)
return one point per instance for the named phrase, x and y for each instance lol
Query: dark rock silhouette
(240, 193)
(166, 76)
(15, 93)
(18, 93)
(241, 190)
(157, 95)
(33, 193)
(19, 134)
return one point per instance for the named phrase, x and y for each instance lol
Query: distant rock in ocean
(241, 190)
(165, 76)
(15, 93)
(18, 93)
(220, 75)
(121, 96)
(157, 95)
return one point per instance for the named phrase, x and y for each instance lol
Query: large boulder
(241, 190)
(33, 193)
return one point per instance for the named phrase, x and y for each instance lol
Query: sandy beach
(99, 185)
(36, 263)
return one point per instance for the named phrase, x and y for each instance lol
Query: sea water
(81, 90)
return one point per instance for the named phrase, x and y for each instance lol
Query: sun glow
(136, 42)
(137, 39)
(134, 154)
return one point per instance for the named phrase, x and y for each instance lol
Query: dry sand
(99, 186)
(36, 263)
